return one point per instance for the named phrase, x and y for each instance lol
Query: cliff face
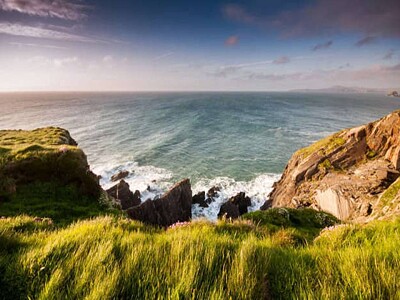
(347, 173)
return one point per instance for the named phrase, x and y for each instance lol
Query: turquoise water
(240, 141)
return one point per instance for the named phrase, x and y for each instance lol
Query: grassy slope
(43, 174)
(107, 258)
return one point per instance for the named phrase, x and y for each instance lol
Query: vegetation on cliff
(44, 174)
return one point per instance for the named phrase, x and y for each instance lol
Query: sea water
(238, 141)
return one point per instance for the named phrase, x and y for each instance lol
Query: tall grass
(113, 258)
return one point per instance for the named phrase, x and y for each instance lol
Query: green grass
(49, 136)
(62, 203)
(386, 199)
(324, 146)
(114, 258)
(305, 222)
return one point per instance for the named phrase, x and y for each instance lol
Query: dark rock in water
(235, 206)
(203, 204)
(242, 201)
(229, 210)
(174, 206)
(209, 200)
(199, 198)
(213, 192)
(120, 175)
(122, 193)
(267, 204)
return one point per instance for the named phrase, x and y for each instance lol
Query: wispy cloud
(36, 45)
(321, 46)
(225, 71)
(371, 73)
(44, 33)
(164, 55)
(232, 40)
(365, 41)
(388, 55)
(52, 62)
(62, 9)
(370, 17)
(60, 62)
(281, 60)
(345, 66)
(108, 59)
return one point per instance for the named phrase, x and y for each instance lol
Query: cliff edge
(352, 174)
(43, 173)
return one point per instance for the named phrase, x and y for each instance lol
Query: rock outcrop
(229, 211)
(345, 173)
(124, 195)
(174, 206)
(200, 198)
(235, 206)
(120, 175)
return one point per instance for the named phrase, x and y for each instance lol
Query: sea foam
(152, 182)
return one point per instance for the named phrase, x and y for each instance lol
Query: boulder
(213, 192)
(242, 202)
(229, 210)
(345, 173)
(124, 195)
(199, 198)
(235, 206)
(172, 207)
(119, 175)
(267, 204)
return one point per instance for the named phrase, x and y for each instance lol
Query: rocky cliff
(351, 174)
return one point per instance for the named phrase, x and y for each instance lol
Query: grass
(324, 146)
(49, 136)
(305, 222)
(386, 200)
(62, 203)
(113, 258)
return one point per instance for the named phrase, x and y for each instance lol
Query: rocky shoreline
(353, 174)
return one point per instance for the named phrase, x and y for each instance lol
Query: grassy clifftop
(43, 173)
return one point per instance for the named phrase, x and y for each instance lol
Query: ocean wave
(257, 189)
(152, 182)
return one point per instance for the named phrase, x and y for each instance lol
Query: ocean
(239, 141)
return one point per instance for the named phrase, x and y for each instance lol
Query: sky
(209, 45)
